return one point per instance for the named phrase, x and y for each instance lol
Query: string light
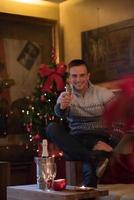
(28, 97)
(60, 153)
(27, 112)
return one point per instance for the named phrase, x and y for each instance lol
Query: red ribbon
(52, 75)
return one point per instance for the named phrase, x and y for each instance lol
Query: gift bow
(52, 75)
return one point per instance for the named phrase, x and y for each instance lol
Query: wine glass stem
(48, 184)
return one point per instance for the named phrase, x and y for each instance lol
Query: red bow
(52, 75)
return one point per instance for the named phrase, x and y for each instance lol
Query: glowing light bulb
(27, 112)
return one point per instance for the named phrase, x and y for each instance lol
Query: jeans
(78, 148)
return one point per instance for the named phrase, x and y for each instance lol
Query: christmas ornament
(59, 184)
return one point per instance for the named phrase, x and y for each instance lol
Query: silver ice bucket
(40, 163)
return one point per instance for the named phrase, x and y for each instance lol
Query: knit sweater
(84, 113)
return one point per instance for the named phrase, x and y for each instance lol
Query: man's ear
(89, 75)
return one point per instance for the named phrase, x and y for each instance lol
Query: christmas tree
(40, 112)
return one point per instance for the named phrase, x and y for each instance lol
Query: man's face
(79, 78)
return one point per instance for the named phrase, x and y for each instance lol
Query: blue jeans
(78, 148)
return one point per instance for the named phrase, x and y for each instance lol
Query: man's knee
(52, 129)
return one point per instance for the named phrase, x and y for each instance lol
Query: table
(31, 192)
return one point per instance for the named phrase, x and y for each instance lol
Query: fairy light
(6, 84)
(27, 112)
(23, 111)
(27, 147)
(28, 97)
(60, 154)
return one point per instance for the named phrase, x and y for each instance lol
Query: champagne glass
(49, 173)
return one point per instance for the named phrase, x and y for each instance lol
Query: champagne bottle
(44, 149)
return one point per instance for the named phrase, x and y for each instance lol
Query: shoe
(101, 168)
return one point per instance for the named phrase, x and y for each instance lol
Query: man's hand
(102, 146)
(64, 100)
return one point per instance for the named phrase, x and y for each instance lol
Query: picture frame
(28, 55)
(109, 51)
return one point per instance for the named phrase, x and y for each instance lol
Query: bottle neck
(44, 149)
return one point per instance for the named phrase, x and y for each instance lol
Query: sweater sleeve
(107, 95)
(59, 112)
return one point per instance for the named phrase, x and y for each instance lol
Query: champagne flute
(53, 173)
(49, 173)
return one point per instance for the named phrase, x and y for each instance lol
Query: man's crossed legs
(86, 148)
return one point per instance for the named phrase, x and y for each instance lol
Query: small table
(31, 192)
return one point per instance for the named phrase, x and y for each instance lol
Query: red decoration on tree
(37, 137)
(53, 56)
(52, 75)
(42, 98)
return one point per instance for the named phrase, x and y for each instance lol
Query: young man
(87, 139)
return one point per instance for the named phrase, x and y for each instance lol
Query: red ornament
(53, 56)
(37, 137)
(59, 184)
(29, 127)
(42, 98)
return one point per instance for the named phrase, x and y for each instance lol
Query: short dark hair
(77, 62)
